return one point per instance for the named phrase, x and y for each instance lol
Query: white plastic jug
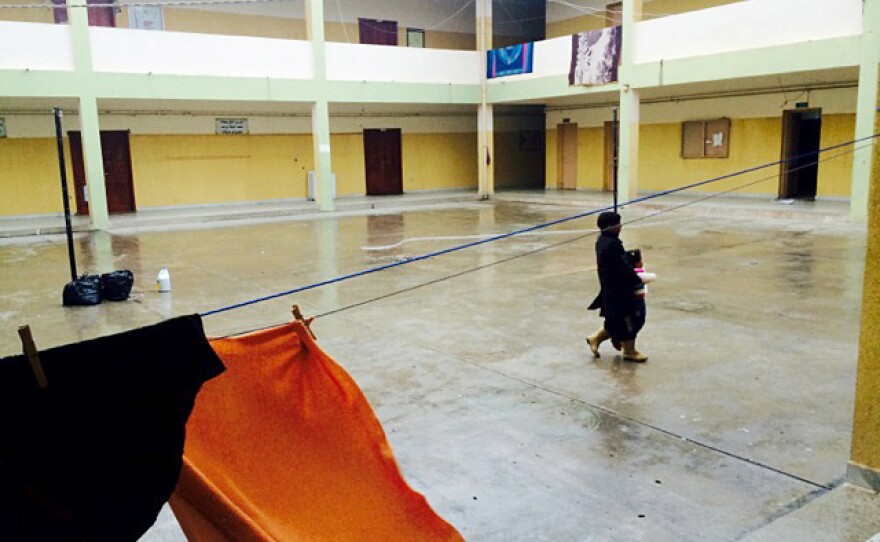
(163, 281)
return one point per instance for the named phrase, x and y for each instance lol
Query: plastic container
(163, 281)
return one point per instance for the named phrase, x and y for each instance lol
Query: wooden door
(118, 180)
(98, 16)
(608, 169)
(566, 154)
(377, 32)
(382, 159)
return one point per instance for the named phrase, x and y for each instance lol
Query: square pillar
(485, 121)
(630, 103)
(866, 111)
(320, 108)
(88, 115)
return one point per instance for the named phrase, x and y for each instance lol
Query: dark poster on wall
(509, 60)
(595, 55)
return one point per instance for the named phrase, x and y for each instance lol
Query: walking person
(622, 310)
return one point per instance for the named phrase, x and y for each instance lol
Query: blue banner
(509, 60)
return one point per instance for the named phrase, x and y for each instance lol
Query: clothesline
(533, 228)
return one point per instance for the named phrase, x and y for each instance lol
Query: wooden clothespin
(307, 322)
(33, 356)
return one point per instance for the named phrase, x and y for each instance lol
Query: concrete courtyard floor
(737, 428)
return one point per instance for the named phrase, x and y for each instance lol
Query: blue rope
(522, 230)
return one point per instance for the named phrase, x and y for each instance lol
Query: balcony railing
(121, 50)
(35, 46)
(349, 62)
(751, 24)
(746, 25)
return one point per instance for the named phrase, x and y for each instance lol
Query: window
(705, 138)
(415, 37)
(146, 18)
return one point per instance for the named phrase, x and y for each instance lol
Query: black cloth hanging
(95, 455)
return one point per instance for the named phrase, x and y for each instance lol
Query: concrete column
(485, 123)
(628, 152)
(320, 109)
(865, 109)
(864, 463)
(88, 115)
(630, 103)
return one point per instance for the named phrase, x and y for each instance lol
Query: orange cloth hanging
(285, 447)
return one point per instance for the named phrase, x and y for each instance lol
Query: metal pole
(614, 153)
(60, 139)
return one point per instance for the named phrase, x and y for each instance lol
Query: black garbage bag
(85, 290)
(117, 285)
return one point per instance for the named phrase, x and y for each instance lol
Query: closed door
(382, 159)
(118, 181)
(101, 12)
(377, 32)
(566, 154)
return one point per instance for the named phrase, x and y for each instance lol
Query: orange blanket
(284, 447)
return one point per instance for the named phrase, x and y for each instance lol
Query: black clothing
(627, 327)
(617, 280)
(95, 455)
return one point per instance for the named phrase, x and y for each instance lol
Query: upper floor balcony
(741, 39)
(746, 39)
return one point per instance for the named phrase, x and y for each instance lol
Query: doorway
(117, 172)
(801, 133)
(382, 159)
(566, 156)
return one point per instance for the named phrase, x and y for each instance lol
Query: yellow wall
(206, 169)
(25, 15)
(568, 27)
(752, 142)
(438, 161)
(550, 142)
(349, 33)
(590, 159)
(650, 9)
(835, 174)
(30, 183)
(515, 167)
(212, 22)
(198, 169)
(347, 154)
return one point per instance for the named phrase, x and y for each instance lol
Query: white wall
(746, 25)
(175, 53)
(35, 46)
(347, 62)
(552, 57)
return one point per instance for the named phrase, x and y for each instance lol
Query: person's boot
(630, 353)
(596, 339)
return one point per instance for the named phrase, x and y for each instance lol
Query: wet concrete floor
(476, 365)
